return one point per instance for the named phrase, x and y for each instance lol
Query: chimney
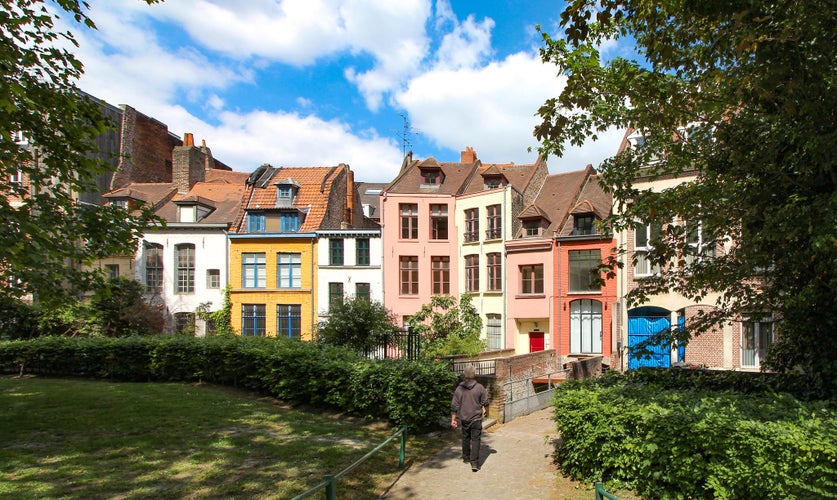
(350, 195)
(469, 155)
(209, 161)
(188, 165)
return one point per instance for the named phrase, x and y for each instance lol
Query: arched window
(586, 326)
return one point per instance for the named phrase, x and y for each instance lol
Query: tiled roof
(519, 176)
(558, 195)
(150, 193)
(225, 196)
(410, 181)
(313, 196)
(592, 199)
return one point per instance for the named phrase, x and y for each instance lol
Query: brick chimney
(188, 164)
(469, 155)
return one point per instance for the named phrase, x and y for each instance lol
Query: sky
(324, 82)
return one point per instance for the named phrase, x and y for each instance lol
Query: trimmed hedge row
(403, 392)
(696, 443)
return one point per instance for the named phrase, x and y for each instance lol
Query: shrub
(696, 442)
(404, 392)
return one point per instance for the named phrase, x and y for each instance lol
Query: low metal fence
(485, 367)
(601, 494)
(404, 344)
(329, 484)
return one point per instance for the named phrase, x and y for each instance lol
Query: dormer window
(286, 191)
(187, 213)
(493, 182)
(584, 224)
(533, 228)
(432, 176)
(121, 203)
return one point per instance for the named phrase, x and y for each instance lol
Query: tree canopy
(743, 94)
(447, 328)
(47, 130)
(358, 324)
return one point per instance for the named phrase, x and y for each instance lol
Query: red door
(536, 341)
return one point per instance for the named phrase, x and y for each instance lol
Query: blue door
(641, 328)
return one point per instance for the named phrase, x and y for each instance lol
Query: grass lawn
(94, 439)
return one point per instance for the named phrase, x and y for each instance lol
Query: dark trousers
(471, 440)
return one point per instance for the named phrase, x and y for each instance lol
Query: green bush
(694, 442)
(404, 392)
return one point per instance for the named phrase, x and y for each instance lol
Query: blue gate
(641, 328)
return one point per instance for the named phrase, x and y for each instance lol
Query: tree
(743, 93)
(115, 309)
(46, 134)
(221, 317)
(448, 329)
(358, 324)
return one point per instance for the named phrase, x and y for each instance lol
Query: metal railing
(482, 367)
(601, 494)
(329, 483)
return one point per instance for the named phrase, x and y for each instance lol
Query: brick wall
(706, 349)
(188, 167)
(145, 150)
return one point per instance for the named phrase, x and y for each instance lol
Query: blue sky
(322, 82)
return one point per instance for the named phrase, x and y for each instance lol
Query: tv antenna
(404, 134)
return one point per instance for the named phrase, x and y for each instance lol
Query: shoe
(475, 468)
(466, 460)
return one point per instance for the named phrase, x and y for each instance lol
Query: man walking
(467, 405)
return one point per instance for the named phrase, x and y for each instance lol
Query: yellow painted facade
(272, 295)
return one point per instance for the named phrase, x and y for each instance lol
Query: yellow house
(273, 246)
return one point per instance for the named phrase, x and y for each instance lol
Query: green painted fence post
(330, 493)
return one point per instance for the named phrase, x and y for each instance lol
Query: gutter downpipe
(505, 227)
(558, 308)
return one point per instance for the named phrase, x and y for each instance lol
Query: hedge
(692, 442)
(404, 392)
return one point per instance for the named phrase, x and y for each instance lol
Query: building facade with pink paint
(421, 239)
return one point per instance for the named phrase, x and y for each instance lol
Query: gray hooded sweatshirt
(468, 400)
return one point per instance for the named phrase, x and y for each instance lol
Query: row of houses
(290, 241)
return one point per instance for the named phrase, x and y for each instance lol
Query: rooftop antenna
(404, 134)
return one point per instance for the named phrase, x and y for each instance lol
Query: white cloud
(467, 45)
(493, 109)
(289, 139)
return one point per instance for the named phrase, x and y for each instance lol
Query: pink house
(421, 242)
(530, 263)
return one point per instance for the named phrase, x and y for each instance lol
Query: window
(584, 224)
(531, 279)
(363, 291)
(438, 222)
(494, 330)
(335, 294)
(154, 267)
(431, 176)
(756, 337)
(362, 252)
(699, 247)
(495, 272)
(255, 222)
(284, 192)
(335, 252)
(441, 275)
(493, 182)
(185, 258)
(289, 222)
(184, 323)
(289, 320)
(472, 224)
(289, 270)
(585, 326)
(644, 237)
(253, 270)
(409, 221)
(213, 278)
(252, 320)
(409, 275)
(16, 179)
(495, 226)
(584, 272)
(112, 271)
(532, 227)
(472, 273)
